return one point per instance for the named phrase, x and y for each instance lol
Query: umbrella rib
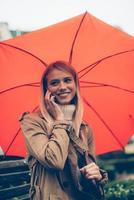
(90, 67)
(105, 85)
(24, 85)
(105, 124)
(18, 131)
(93, 65)
(75, 37)
(12, 141)
(25, 51)
(87, 86)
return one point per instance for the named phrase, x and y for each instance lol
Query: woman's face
(61, 84)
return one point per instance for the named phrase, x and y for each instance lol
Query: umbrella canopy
(102, 55)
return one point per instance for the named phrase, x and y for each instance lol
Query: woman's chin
(63, 101)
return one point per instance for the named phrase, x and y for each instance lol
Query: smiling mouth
(63, 94)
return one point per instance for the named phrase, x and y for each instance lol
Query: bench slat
(14, 191)
(14, 177)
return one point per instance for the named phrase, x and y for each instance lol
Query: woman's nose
(62, 86)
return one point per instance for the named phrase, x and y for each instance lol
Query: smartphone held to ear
(52, 96)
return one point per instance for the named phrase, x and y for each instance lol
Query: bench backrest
(14, 179)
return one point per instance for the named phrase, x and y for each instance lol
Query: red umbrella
(104, 59)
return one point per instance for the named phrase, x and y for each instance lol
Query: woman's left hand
(91, 171)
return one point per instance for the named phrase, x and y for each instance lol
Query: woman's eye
(68, 80)
(54, 83)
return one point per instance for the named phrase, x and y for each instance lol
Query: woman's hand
(91, 171)
(53, 107)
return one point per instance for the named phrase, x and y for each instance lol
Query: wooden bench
(14, 179)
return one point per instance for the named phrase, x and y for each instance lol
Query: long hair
(66, 67)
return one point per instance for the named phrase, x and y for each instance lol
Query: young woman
(57, 139)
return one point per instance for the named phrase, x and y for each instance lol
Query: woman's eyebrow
(55, 79)
(68, 77)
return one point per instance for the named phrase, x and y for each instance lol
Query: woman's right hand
(52, 107)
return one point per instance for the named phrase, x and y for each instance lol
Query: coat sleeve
(51, 151)
(87, 137)
(91, 145)
(91, 148)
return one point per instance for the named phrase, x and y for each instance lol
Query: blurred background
(20, 17)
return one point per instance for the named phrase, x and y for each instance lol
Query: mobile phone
(52, 95)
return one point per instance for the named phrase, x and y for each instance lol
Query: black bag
(88, 189)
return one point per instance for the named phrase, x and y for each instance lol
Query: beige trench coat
(47, 155)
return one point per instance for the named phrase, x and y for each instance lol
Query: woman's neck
(68, 111)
